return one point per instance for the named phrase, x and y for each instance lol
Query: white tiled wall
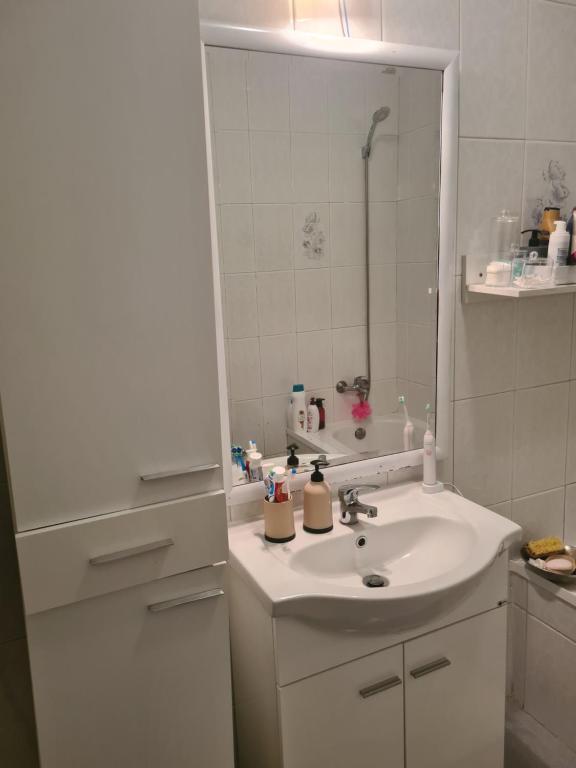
(289, 178)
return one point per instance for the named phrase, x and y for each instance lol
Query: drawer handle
(432, 667)
(383, 685)
(178, 472)
(122, 554)
(165, 605)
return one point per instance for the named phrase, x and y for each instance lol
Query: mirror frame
(375, 52)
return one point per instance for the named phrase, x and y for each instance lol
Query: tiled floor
(530, 745)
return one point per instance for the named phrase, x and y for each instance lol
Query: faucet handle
(349, 493)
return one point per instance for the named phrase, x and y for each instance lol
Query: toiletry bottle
(280, 485)
(298, 408)
(559, 245)
(255, 466)
(313, 417)
(572, 229)
(321, 412)
(292, 460)
(317, 501)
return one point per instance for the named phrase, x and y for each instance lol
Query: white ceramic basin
(427, 548)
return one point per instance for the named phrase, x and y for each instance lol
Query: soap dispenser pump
(317, 501)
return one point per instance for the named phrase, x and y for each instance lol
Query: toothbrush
(429, 446)
(408, 434)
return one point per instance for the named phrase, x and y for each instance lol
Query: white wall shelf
(513, 292)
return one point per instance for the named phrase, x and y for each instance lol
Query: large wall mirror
(326, 177)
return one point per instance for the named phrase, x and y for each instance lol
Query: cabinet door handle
(426, 669)
(165, 605)
(122, 554)
(178, 472)
(383, 685)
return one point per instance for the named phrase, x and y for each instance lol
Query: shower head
(378, 116)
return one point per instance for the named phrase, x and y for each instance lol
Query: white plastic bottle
(299, 415)
(313, 420)
(559, 245)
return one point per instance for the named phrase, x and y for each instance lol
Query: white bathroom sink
(425, 548)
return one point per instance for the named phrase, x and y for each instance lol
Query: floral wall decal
(313, 237)
(555, 192)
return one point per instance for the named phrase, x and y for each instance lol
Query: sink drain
(374, 580)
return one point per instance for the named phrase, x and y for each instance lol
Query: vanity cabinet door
(121, 685)
(107, 319)
(349, 716)
(455, 695)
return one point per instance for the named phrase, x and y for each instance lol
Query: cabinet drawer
(139, 678)
(74, 561)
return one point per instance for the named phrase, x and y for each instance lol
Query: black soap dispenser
(292, 460)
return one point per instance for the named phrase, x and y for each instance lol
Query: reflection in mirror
(327, 179)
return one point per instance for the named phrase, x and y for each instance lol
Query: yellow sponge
(544, 547)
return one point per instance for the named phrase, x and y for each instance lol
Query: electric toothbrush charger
(436, 487)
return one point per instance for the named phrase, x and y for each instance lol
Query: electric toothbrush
(429, 482)
(408, 434)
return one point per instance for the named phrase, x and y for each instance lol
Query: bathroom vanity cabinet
(431, 696)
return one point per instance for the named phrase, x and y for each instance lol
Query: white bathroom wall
(288, 133)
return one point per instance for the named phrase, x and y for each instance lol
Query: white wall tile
(241, 306)
(381, 90)
(383, 351)
(384, 399)
(493, 68)
(315, 359)
(311, 235)
(551, 679)
(308, 94)
(227, 70)
(276, 302)
(382, 233)
(383, 168)
(550, 179)
(417, 229)
(275, 440)
(263, 14)
(348, 353)
(237, 238)
(346, 168)
(490, 177)
(421, 22)
(420, 353)
(551, 83)
(279, 363)
(273, 237)
(420, 99)
(382, 293)
(244, 365)
(268, 91)
(322, 17)
(570, 516)
(313, 303)
(247, 422)
(346, 97)
(544, 340)
(271, 171)
(571, 452)
(483, 447)
(416, 293)
(418, 163)
(540, 515)
(540, 417)
(233, 167)
(310, 167)
(347, 234)
(485, 338)
(573, 356)
(348, 296)
(504, 509)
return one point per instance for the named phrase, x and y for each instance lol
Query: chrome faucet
(351, 506)
(361, 386)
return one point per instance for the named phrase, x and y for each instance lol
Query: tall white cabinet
(108, 382)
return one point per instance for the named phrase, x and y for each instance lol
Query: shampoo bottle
(317, 501)
(313, 418)
(298, 408)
